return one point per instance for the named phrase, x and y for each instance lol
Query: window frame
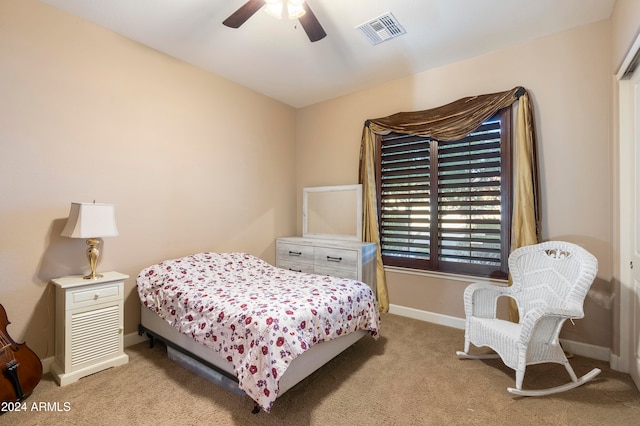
(434, 263)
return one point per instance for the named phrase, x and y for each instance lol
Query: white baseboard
(46, 364)
(431, 317)
(133, 339)
(585, 349)
(618, 363)
(578, 348)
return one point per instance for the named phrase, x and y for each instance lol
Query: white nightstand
(89, 326)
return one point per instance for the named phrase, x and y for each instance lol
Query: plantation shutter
(405, 198)
(470, 220)
(457, 189)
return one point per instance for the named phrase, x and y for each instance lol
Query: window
(446, 206)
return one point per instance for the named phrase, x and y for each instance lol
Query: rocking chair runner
(550, 283)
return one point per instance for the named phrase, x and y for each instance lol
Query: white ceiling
(275, 57)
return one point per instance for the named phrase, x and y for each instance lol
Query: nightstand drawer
(93, 295)
(296, 266)
(335, 258)
(295, 253)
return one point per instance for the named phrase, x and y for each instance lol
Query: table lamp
(91, 221)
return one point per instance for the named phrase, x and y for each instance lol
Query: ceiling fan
(304, 15)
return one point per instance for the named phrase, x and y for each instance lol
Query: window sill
(445, 275)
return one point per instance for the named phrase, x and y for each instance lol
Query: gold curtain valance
(448, 122)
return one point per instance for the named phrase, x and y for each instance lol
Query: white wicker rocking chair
(550, 283)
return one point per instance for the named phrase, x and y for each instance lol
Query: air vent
(381, 29)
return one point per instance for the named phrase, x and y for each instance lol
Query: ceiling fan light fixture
(295, 9)
(274, 8)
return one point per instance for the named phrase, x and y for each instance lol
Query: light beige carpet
(410, 376)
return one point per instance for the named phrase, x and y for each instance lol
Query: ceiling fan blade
(245, 12)
(311, 25)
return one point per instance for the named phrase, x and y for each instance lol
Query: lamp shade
(90, 220)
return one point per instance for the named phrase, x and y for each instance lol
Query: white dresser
(338, 258)
(89, 326)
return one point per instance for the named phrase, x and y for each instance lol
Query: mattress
(254, 315)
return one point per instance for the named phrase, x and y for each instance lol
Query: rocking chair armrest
(480, 299)
(535, 315)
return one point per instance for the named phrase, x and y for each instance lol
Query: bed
(267, 327)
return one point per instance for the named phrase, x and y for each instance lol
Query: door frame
(626, 160)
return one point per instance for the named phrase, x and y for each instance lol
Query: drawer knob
(96, 296)
(334, 259)
(295, 253)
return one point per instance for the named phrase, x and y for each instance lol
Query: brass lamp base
(92, 254)
(92, 276)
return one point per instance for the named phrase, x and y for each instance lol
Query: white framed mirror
(333, 212)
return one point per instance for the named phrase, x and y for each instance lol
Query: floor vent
(381, 29)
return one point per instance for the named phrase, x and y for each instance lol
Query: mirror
(332, 212)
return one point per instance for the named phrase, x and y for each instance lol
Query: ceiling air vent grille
(381, 29)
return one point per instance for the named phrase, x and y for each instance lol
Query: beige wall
(568, 76)
(191, 161)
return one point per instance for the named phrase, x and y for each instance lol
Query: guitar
(20, 366)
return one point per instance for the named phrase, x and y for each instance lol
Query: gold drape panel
(451, 122)
(370, 231)
(526, 216)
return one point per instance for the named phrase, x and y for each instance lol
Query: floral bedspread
(255, 315)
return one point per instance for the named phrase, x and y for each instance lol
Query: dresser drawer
(295, 253)
(296, 266)
(94, 295)
(344, 259)
(336, 258)
(335, 272)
